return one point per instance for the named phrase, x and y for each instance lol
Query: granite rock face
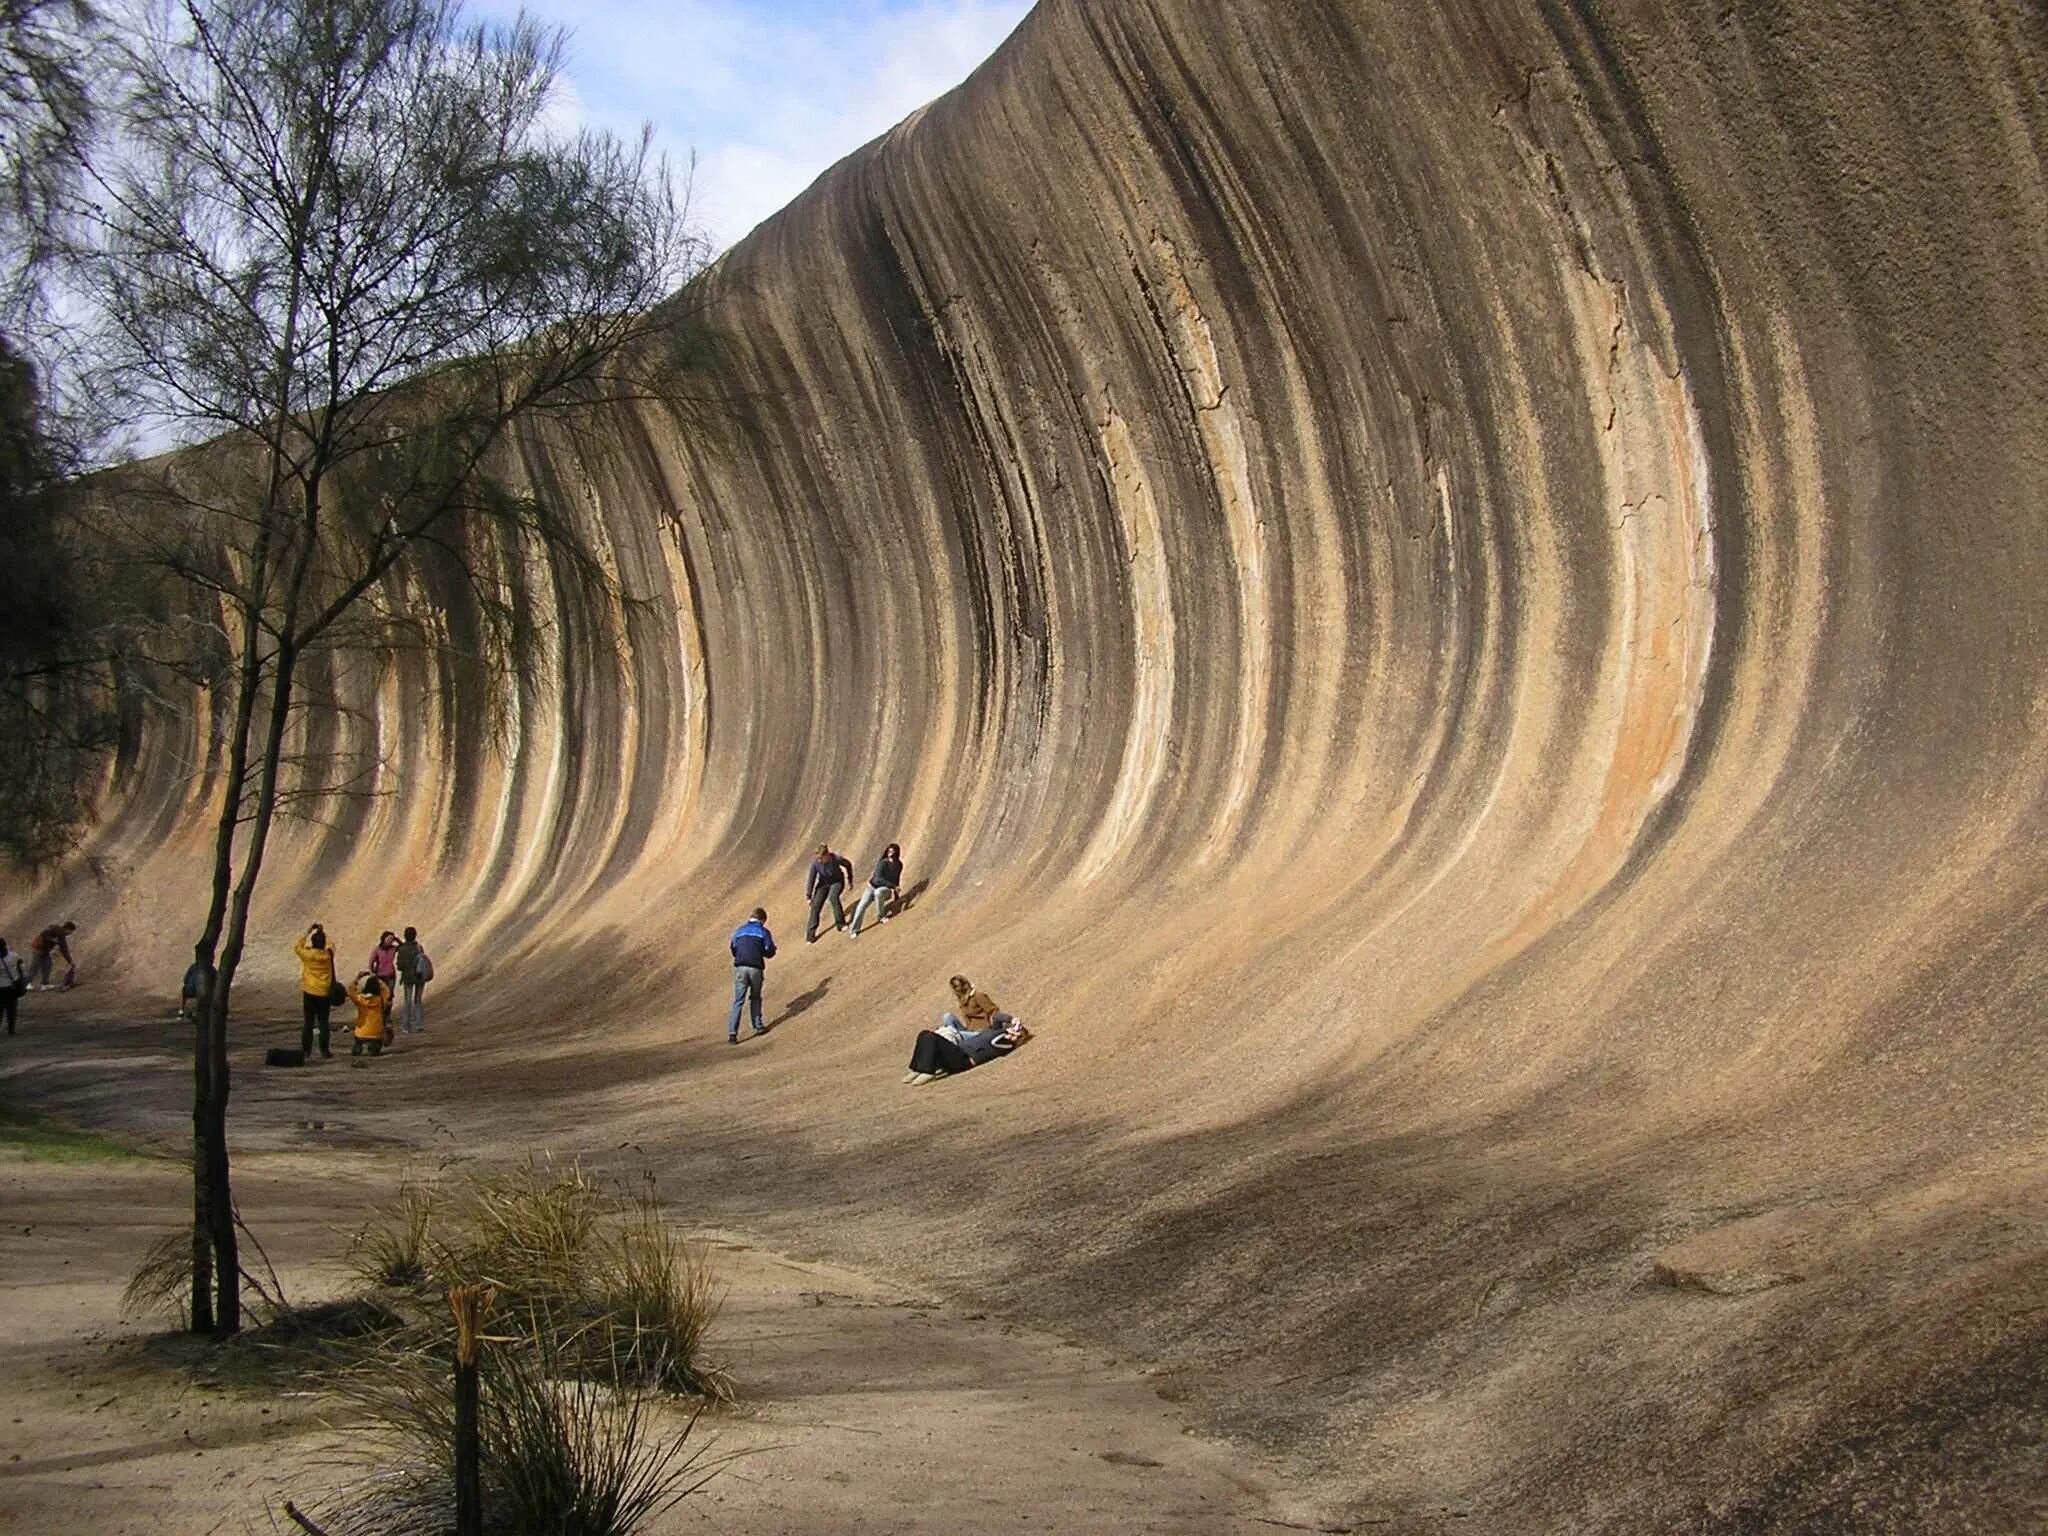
(1450, 597)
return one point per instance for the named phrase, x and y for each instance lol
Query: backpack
(423, 968)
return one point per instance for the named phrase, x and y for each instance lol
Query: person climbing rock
(415, 970)
(753, 946)
(372, 996)
(316, 987)
(881, 891)
(830, 875)
(939, 1052)
(43, 950)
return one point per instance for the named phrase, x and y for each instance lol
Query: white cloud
(766, 95)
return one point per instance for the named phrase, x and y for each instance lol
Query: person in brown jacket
(978, 1011)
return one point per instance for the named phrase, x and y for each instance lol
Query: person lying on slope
(942, 1051)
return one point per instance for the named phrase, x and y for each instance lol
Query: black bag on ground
(282, 1056)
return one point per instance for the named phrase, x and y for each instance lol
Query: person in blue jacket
(753, 946)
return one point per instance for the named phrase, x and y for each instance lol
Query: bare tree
(339, 241)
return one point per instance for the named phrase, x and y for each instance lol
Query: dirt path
(866, 1408)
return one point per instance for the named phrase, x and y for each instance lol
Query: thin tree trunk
(221, 1214)
(202, 1229)
(209, 1043)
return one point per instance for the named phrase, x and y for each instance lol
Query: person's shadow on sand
(803, 1002)
(904, 900)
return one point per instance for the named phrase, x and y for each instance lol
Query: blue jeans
(873, 896)
(974, 1039)
(746, 988)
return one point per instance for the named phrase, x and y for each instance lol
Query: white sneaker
(919, 1079)
(910, 1077)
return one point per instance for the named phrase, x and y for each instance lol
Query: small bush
(612, 1282)
(392, 1249)
(655, 1294)
(528, 1233)
(563, 1454)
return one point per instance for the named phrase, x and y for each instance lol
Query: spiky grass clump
(563, 1453)
(657, 1299)
(527, 1232)
(393, 1247)
(614, 1283)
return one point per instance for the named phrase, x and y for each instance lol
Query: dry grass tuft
(563, 1453)
(611, 1283)
(162, 1283)
(391, 1249)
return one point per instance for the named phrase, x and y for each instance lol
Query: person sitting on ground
(198, 982)
(938, 1053)
(13, 982)
(372, 998)
(978, 1011)
(830, 875)
(43, 950)
(317, 988)
(881, 891)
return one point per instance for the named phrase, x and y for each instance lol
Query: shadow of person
(904, 899)
(803, 1002)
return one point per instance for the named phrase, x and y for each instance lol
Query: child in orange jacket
(373, 1005)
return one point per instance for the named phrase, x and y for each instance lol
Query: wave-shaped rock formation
(1450, 598)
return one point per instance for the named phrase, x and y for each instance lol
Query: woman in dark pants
(936, 1054)
(316, 987)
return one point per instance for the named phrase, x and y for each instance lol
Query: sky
(766, 93)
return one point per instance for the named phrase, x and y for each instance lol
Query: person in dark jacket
(941, 1051)
(415, 970)
(198, 982)
(753, 946)
(13, 982)
(881, 891)
(830, 875)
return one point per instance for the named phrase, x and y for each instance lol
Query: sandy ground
(865, 1407)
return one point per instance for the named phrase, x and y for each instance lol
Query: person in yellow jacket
(372, 998)
(316, 987)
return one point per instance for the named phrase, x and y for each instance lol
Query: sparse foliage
(564, 1453)
(338, 241)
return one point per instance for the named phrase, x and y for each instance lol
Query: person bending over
(43, 950)
(829, 877)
